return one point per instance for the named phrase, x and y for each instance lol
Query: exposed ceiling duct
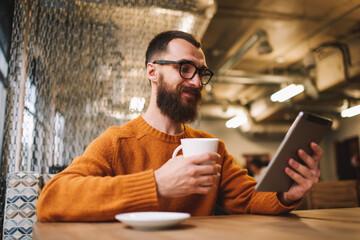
(312, 42)
(250, 129)
(220, 111)
(264, 48)
(250, 78)
(264, 131)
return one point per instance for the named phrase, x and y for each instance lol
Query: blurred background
(71, 68)
(259, 47)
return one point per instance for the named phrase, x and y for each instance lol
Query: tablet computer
(305, 129)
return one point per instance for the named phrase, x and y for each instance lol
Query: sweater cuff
(140, 190)
(281, 208)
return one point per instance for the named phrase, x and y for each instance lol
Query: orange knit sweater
(116, 174)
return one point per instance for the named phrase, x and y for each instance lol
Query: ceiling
(299, 32)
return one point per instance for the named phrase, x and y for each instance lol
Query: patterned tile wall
(20, 206)
(2, 205)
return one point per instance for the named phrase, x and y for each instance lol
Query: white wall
(237, 144)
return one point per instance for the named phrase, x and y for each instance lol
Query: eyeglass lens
(188, 71)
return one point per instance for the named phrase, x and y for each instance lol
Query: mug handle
(176, 151)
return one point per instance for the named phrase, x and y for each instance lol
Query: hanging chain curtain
(76, 68)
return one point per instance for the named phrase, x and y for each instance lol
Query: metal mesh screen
(77, 67)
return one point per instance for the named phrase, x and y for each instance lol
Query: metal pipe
(254, 78)
(249, 43)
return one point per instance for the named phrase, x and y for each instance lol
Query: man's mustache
(195, 91)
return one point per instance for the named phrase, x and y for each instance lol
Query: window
(29, 125)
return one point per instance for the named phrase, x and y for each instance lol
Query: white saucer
(152, 220)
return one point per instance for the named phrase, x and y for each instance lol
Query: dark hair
(159, 43)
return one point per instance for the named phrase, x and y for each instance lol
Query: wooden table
(306, 224)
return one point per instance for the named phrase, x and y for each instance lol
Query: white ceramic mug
(196, 146)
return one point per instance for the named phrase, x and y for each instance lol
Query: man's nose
(195, 81)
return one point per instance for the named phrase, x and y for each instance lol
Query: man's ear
(151, 73)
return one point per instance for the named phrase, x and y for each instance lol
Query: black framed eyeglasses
(188, 70)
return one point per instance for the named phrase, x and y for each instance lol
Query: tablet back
(305, 129)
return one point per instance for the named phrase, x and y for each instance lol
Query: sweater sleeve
(237, 194)
(87, 190)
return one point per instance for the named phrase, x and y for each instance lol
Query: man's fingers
(308, 160)
(207, 179)
(311, 161)
(182, 176)
(318, 152)
(305, 183)
(207, 169)
(204, 157)
(301, 169)
(305, 176)
(202, 181)
(294, 175)
(204, 189)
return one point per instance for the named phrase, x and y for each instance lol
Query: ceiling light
(237, 121)
(287, 93)
(350, 112)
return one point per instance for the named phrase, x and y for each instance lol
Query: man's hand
(305, 177)
(182, 176)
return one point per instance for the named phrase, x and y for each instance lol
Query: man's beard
(171, 104)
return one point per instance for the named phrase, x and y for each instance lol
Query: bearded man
(129, 168)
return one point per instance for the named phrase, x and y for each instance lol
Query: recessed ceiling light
(350, 112)
(287, 93)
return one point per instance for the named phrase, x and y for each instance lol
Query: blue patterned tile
(20, 207)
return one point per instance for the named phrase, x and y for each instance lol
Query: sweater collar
(147, 129)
